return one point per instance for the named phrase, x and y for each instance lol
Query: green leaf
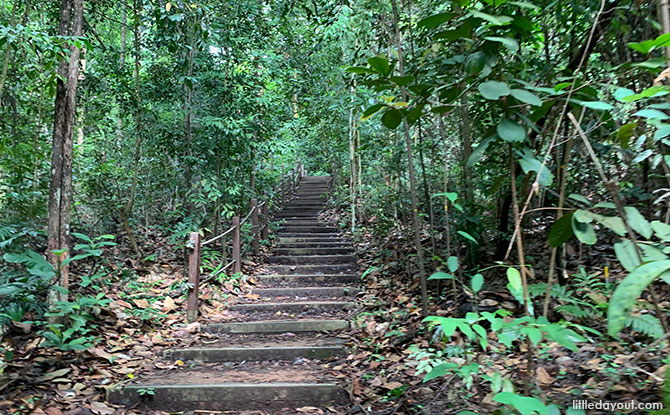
(478, 151)
(583, 231)
(370, 111)
(494, 20)
(481, 331)
(626, 254)
(514, 284)
(597, 105)
(508, 42)
(529, 163)
(652, 91)
(360, 69)
(493, 90)
(652, 63)
(534, 334)
(652, 114)
(625, 133)
(402, 80)
(475, 63)
(527, 97)
(638, 222)
(477, 282)
(380, 64)
(431, 22)
(579, 198)
(467, 236)
(565, 337)
(661, 230)
(452, 263)
(622, 93)
(628, 291)
(511, 131)
(524, 404)
(441, 276)
(439, 371)
(614, 223)
(392, 118)
(560, 231)
(642, 47)
(642, 156)
(662, 131)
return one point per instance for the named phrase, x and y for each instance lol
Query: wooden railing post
(224, 250)
(237, 267)
(265, 230)
(254, 226)
(193, 278)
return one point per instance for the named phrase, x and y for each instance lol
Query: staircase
(272, 356)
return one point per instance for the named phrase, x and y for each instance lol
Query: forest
(498, 173)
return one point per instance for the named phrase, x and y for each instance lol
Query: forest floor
(392, 347)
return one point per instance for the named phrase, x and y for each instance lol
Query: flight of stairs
(273, 356)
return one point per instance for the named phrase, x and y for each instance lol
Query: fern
(575, 310)
(646, 324)
(6, 231)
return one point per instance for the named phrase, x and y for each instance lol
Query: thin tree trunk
(559, 213)
(412, 179)
(426, 190)
(9, 51)
(60, 190)
(352, 161)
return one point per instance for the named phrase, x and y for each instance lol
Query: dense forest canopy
(482, 146)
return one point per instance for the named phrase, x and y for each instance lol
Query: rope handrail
(248, 215)
(218, 237)
(211, 276)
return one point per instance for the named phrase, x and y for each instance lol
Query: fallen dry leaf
(169, 304)
(543, 376)
(101, 408)
(392, 385)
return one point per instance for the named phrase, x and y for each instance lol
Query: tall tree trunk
(410, 164)
(127, 209)
(188, 111)
(60, 190)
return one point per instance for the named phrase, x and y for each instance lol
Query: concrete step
(276, 326)
(312, 240)
(312, 179)
(302, 222)
(314, 251)
(304, 203)
(327, 280)
(310, 216)
(309, 292)
(294, 307)
(253, 354)
(312, 260)
(214, 390)
(308, 229)
(331, 236)
(316, 242)
(311, 269)
(314, 211)
(301, 207)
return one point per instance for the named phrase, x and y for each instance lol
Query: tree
(60, 189)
